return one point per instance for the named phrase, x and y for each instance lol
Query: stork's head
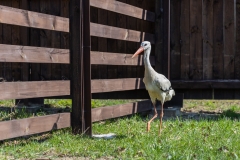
(144, 46)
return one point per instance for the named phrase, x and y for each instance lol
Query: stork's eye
(145, 44)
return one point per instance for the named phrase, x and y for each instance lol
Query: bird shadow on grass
(230, 113)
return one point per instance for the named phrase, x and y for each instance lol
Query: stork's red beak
(140, 50)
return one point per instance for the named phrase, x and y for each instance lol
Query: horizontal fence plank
(104, 31)
(123, 8)
(107, 58)
(206, 84)
(103, 113)
(110, 85)
(21, 90)
(35, 125)
(26, 54)
(33, 89)
(26, 18)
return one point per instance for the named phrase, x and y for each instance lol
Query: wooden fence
(35, 58)
(205, 48)
(194, 43)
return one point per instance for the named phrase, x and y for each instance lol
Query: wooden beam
(21, 90)
(79, 67)
(33, 89)
(35, 125)
(104, 31)
(106, 58)
(206, 84)
(103, 113)
(26, 18)
(166, 38)
(159, 36)
(110, 85)
(86, 51)
(123, 8)
(26, 54)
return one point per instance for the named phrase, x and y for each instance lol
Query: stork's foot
(148, 127)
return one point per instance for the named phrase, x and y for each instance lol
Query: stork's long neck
(147, 64)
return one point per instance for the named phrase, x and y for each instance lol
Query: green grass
(180, 139)
(217, 106)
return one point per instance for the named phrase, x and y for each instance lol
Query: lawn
(181, 139)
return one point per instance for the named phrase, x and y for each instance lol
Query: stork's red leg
(161, 116)
(155, 116)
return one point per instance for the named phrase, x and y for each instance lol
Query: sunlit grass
(180, 139)
(217, 106)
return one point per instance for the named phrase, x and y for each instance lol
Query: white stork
(157, 85)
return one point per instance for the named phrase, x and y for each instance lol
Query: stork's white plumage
(157, 85)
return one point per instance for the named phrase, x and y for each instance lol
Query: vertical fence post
(87, 66)
(80, 68)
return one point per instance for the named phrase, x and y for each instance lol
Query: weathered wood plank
(109, 85)
(39, 20)
(118, 59)
(158, 36)
(24, 33)
(237, 53)
(65, 38)
(131, 23)
(196, 61)
(55, 8)
(112, 71)
(33, 89)
(121, 45)
(123, 8)
(104, 31)
(7, 39)
(185, 38)
(103, 113)
(1, 40)
(16, 67)
(27, 54)
(35, 125)
(94, 42)
(45, 41)
(26, 18)
(129, 94)
(218, 40)
(102, 44)
(175, 71)
(34, 40)
(229, 38)
(166, 39)
(80, 66)
(207, 33)
(206, 84)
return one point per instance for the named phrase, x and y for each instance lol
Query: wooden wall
(204, 45)
(16, 35)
